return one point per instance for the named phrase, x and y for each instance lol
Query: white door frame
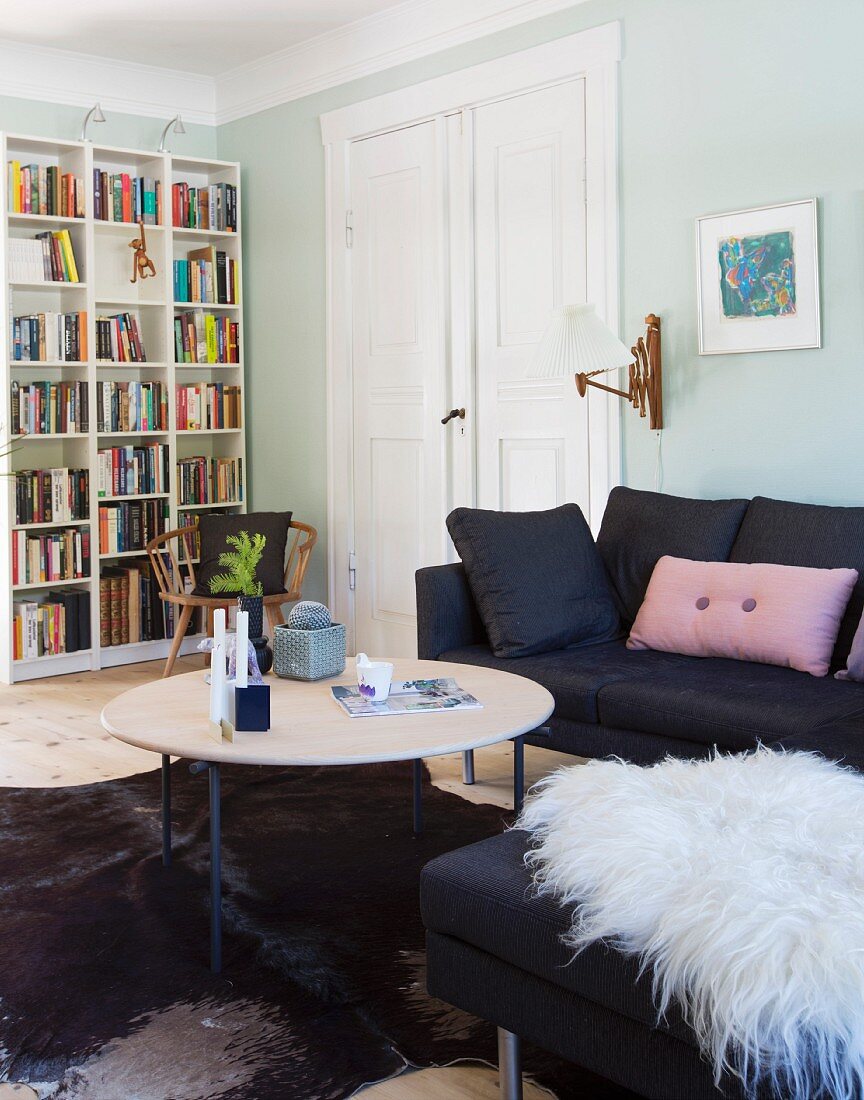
(593, 55)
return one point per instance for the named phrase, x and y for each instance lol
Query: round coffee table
(308, 728)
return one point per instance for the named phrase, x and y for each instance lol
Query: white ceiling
(195, 36)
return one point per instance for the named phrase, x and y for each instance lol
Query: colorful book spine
(203, 480)
(57, 495)
(43, 189)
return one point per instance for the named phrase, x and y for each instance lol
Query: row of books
(44, 189)
(58, 623)
(127, 471)
(213, 207)
(51, 556)
(131, 407)
(45, 258)
(130, 609)
(201, 337)
(202, 480)
(43, 408)
(50, 337)
(118, 339)
(131, 524)
(208, 276)
(58, 495)
(119, 197)
(203, 405)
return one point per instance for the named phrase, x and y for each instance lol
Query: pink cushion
(784, 615)
(854, 669)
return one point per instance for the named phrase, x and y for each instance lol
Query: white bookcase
(104, 262)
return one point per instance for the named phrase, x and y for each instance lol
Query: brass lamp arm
(584, 380)
(646, 376)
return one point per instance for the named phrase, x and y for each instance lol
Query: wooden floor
(50, 736)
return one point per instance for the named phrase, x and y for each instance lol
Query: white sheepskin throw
(740, 882)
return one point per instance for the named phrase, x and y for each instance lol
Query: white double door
(467, 231)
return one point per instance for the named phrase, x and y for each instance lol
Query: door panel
(530, 256)
(398, 374)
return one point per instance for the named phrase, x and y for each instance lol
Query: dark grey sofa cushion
(733, 704)
(482, 895)
(639, 527)
(537, 579)
(575, 676)
(841, 740)
(817, 535)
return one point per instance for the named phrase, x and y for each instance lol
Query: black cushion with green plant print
(213, 532)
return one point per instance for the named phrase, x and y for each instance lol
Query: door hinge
(349, 228)
(352, 571)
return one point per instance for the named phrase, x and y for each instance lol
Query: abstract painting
(757, 275)
(758, 279)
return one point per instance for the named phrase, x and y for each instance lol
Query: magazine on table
(407, 697)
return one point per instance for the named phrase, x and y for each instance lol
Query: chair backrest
(175, 553)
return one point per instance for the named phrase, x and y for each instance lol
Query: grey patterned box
(309, 654)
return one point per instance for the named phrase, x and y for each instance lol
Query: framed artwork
(758, 279)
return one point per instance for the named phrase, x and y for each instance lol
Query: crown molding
(402, 33)
(76, 79)
(405, 32)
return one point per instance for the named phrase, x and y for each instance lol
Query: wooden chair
(174, 555)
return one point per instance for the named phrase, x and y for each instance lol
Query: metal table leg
(418, 796)
(509, 1065)
(518, 773)
(166, 810)
(215, 860)
(215, 871)
(468, 766)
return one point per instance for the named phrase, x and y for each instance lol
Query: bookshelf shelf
(50, 526)
(44, 437)
(104, 264)
(209, 431)
(52, 656)
(17, 364)
(126, 435)
(47, 284)
(130, 303)
(125, 227)
(45, 221)
(204, 305)
(146, 365)
(123, 554)
(35, 586)
(134, 496)
(203, 234)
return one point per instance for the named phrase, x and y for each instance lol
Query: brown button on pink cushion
(784, 615)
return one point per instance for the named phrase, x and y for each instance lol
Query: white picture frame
(757, 273)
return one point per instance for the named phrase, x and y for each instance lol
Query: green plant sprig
(241, 563)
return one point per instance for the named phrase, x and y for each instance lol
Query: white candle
(217, 668)
(217, 660)
(242, 662)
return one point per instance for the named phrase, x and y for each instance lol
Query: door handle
(460, 413)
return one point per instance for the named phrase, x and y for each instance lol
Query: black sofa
(493, 947)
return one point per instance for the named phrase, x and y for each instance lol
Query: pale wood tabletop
(308, 728)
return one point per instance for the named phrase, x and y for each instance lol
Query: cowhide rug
(105, 992)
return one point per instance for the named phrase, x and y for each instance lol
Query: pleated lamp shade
(576, 341)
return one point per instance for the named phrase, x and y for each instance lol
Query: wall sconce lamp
(93, 115)
(577, 342)
(177, 123)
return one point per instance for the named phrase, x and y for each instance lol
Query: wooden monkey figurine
(142, 265)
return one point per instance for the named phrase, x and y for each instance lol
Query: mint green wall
(722, 106)
(56, 120)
